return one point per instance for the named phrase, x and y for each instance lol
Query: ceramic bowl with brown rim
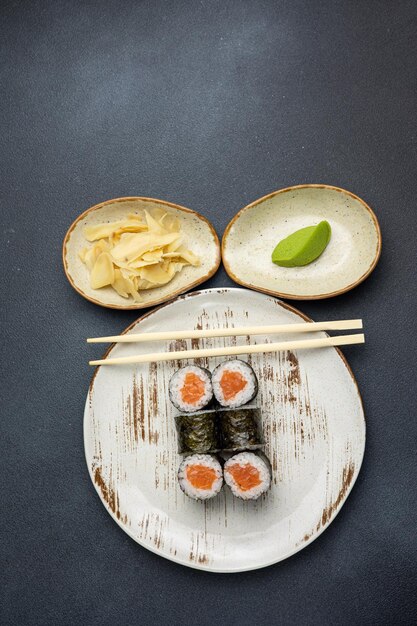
(199, 235)
(313, 424)
(351, 255)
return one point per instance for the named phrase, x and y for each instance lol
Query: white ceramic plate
(199, 236)
(351, 255)
(313, 424)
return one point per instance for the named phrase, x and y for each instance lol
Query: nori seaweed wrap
(240, 429)
(197, 434)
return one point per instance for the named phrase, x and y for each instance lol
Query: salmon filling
(193, 388)
(245, 476)
(231, 383)
(201, 476)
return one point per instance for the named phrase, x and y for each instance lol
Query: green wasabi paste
(302, 247)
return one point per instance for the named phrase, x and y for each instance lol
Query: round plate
(199, 235)
(351, 255)
(313, 423)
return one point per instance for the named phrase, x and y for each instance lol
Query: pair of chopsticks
(303, 344)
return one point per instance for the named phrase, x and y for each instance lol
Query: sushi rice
(234, 383)
(190, 388)
(200, 476)
(247, 475)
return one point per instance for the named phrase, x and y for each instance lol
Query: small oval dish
(199, 235)
(351, 255)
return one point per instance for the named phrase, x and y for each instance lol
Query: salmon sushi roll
(247, 475)
(190, 388)
(234, 383)
(200, 476)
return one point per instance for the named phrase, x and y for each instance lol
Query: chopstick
(303, 344)
(231, 332)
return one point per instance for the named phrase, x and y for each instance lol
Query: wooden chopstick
(303, 344)
(231, 332)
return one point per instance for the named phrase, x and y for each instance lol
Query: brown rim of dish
(292, 296)
(285, 305)
(155, 302)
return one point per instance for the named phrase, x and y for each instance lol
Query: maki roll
(197, 433)
(234, 383)
(190, 388)
(200, 476)
(247, 475)
(240, 429)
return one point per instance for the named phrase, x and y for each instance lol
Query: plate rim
(288, 296)
(173, 558)
(146, 305)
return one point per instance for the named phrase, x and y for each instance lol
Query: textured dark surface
(210, 105)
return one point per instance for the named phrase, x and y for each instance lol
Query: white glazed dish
(351, 255)
(314, 429)
(199, 235)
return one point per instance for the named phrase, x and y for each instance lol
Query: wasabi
(302, 247)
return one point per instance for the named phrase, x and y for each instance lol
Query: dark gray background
(208, 104)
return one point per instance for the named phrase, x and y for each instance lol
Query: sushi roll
(197, 433)
(200, 476)
(190, 388)
(240, 429)
(234, 383)
(247, 475)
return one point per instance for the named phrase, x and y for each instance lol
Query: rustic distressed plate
(199, 234)
(352, 253)
(313, 424)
